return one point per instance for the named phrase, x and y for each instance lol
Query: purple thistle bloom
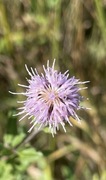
(51, 98)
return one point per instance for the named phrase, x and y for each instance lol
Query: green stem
(6, 27)
(101, 18)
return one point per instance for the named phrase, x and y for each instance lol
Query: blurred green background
(73, 32)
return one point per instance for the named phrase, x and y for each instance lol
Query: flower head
(51, 98)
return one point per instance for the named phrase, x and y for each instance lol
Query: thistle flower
(51, 98)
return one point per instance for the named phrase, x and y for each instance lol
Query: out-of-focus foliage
(17, 161)
(73, 32)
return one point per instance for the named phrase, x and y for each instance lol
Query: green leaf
(5, 171)
(12, 140)
(29, 155)
(8, 139)
(17, 139)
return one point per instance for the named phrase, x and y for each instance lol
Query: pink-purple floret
(52, 98)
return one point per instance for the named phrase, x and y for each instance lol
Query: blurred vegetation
(73, 32)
